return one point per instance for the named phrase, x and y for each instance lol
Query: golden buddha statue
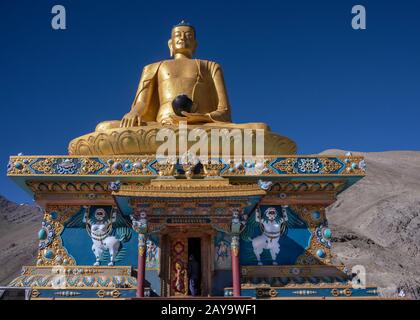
(182, 89)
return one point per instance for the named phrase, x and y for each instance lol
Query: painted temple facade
(152, 223)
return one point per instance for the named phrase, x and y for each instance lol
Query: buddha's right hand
(131, 119)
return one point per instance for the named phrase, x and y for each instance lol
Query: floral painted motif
(308, 166)
(127, 166)
(46, 235)
(66, 166)
(323, 234)
(114, 185)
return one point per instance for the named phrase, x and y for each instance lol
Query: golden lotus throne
(197, 86)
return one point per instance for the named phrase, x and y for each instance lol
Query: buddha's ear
(171, 49)
(195, 47)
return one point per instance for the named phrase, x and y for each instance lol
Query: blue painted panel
(286, 248)
(153, 281)
(76, 240)
(82, 294)
(309, 292)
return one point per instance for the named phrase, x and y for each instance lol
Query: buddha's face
(182, 41)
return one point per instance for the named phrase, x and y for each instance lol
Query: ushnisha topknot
(184, 23)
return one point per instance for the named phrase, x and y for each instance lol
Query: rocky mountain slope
(19, 225)
(375, 223)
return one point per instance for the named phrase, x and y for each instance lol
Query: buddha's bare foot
(106, 125)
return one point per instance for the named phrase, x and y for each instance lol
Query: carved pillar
(234, 246)
(141, 269)
(140, 226)
(236, 275)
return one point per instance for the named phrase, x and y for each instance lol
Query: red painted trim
(141, 274)
(236, 276)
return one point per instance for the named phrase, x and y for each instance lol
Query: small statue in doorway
(179, 278)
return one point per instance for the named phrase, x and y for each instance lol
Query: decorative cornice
(294, 271)
(191, 188)
(68, 186)
(148, 166)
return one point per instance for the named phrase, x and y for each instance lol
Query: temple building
(124, 220)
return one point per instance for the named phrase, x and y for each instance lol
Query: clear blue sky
(296, 65)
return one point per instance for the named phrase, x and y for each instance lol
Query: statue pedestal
(142, 141)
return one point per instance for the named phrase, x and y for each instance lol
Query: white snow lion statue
(100, 230)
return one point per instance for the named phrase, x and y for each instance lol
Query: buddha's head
(183, 40)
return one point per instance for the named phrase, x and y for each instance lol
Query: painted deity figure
(100, 230)
(222, 251)
(179, 278)
(151, 254)
(273, 228)
(139, 221)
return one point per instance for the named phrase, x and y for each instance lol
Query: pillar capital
(139, 220)
(235, 245)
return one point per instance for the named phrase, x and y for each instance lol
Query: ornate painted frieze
(80, 187)
(149, 166)
(305, 186)
(51, 251)
(295, 276)
(319, 165)
(77, 282)
(306, 289)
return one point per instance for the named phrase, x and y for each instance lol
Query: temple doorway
(194, 266)
(178, 244)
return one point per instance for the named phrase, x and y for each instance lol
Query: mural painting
(274, 235)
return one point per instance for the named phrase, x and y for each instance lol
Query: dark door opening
(194, 266)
